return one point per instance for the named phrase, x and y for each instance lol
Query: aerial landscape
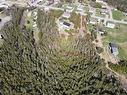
(63, 47)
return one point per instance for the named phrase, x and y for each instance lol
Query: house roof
(66, 23)
(93, 21)
(110, 25)
(66, 14)
(114, 48)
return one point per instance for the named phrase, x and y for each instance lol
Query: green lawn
(118, 36)
(56, 13)
(117, 15)
(75, 19)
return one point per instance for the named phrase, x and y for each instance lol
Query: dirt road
(121, 77)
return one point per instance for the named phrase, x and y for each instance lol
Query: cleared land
(118, 36)
(117, 15)
(75, 18)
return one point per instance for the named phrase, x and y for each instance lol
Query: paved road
(108, 19)
(121, 77)
(55, 8)
(50, 7)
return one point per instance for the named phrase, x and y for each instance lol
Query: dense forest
(29, 68)
(119, 4)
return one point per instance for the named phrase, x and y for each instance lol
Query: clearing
(118, 36)
(117, 15)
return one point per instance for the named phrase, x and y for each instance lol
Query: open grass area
(67, 44)
(56, 13)
(117, 15)
(118, 36)
(75, 18)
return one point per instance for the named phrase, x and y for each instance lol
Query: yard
(98, 13)
(55, 13)
(117, 15)
(75, 19)
(118, 36)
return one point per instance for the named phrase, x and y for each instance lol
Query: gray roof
(114, 48)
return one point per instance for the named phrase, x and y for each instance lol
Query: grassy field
(55, 13)
(117, 15)
(75, 18)
(118, 36)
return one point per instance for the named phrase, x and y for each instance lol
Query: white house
(66, 14)
(99, 1)
(114, 49)
(69, 9)
(4, 6)
(0, 36)
(91, 10)
(93, 21)
(104, 11)
(110, 25)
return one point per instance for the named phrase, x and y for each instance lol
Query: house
(110, 25)
(65, 25)
(66, 14)
(101, 32)
(93, 21)
(69, 9)
(1, 36)
(33, 2)
(114, 49)
(50, 2)
(91, 10)
(99, 1)
(4, 6)
(80, 9)
(104, 11)
(125, 13)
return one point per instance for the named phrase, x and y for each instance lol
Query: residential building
(110, 25)
(66, 14)
(93, 21)
(104, 11)
(65, 25)
(114, 49)
(91, 10)
(99, 1)
(69, 9)
(1, 36)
